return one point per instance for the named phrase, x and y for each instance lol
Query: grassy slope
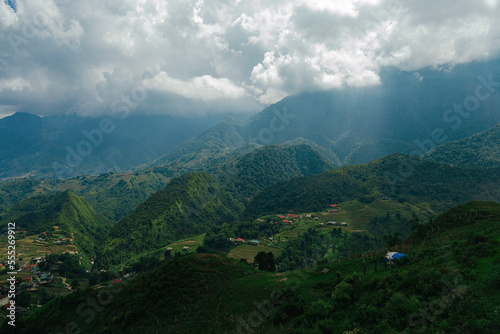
(66, 210)
(113, 195)
(451, 284)
(186, 207)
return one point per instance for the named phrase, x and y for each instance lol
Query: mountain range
(410, 112)
(65, 146)
(406, 114)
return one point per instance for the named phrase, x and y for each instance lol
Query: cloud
(61, 56)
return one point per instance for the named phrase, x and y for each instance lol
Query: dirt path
(65, 284)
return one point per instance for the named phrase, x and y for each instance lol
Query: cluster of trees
(67, 265)
(265, 261)
(218, 236)
(313, 246)
(309, 247)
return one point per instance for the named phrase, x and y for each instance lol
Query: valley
(227, 227)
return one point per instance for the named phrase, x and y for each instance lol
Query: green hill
(480, 150)
(217, 145)
(186, 207)
(254, 171)
(111, 194)
(71, 213)
(403, 177)
(449, 284)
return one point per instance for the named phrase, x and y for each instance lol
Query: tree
(393, 240)
(265, 261)
(75, 285)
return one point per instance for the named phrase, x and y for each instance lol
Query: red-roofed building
(240, 240)
(282, 217)
(285, 221)
(334, 210)
(334, 205)
(116, 281)
(27, 278)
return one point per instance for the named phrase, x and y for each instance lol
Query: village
(34, 276)
(350, 217)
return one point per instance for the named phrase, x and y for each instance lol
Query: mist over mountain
(69, 145)
(410, 112)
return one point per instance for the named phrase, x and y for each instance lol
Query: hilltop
(252, 172)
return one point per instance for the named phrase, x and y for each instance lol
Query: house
(116, 281)
(45, 277)
(185, 248)
(169, 249)
(316, 218)
(232, 239)
(308, 216)
(254, 242)
(240, 240)
(285, 221)
(334, 210)
(343, 224)
(334, 205)
(36, 259)
(321, 224)
(27, 278)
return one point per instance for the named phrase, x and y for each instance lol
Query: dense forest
(403, 177)
(187, 206)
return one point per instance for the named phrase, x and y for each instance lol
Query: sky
(191, 57)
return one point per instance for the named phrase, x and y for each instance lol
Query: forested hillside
(111, 194)
(480, 150)
(187, 206)
(250, 173)
(403, 177)
(72, 214)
